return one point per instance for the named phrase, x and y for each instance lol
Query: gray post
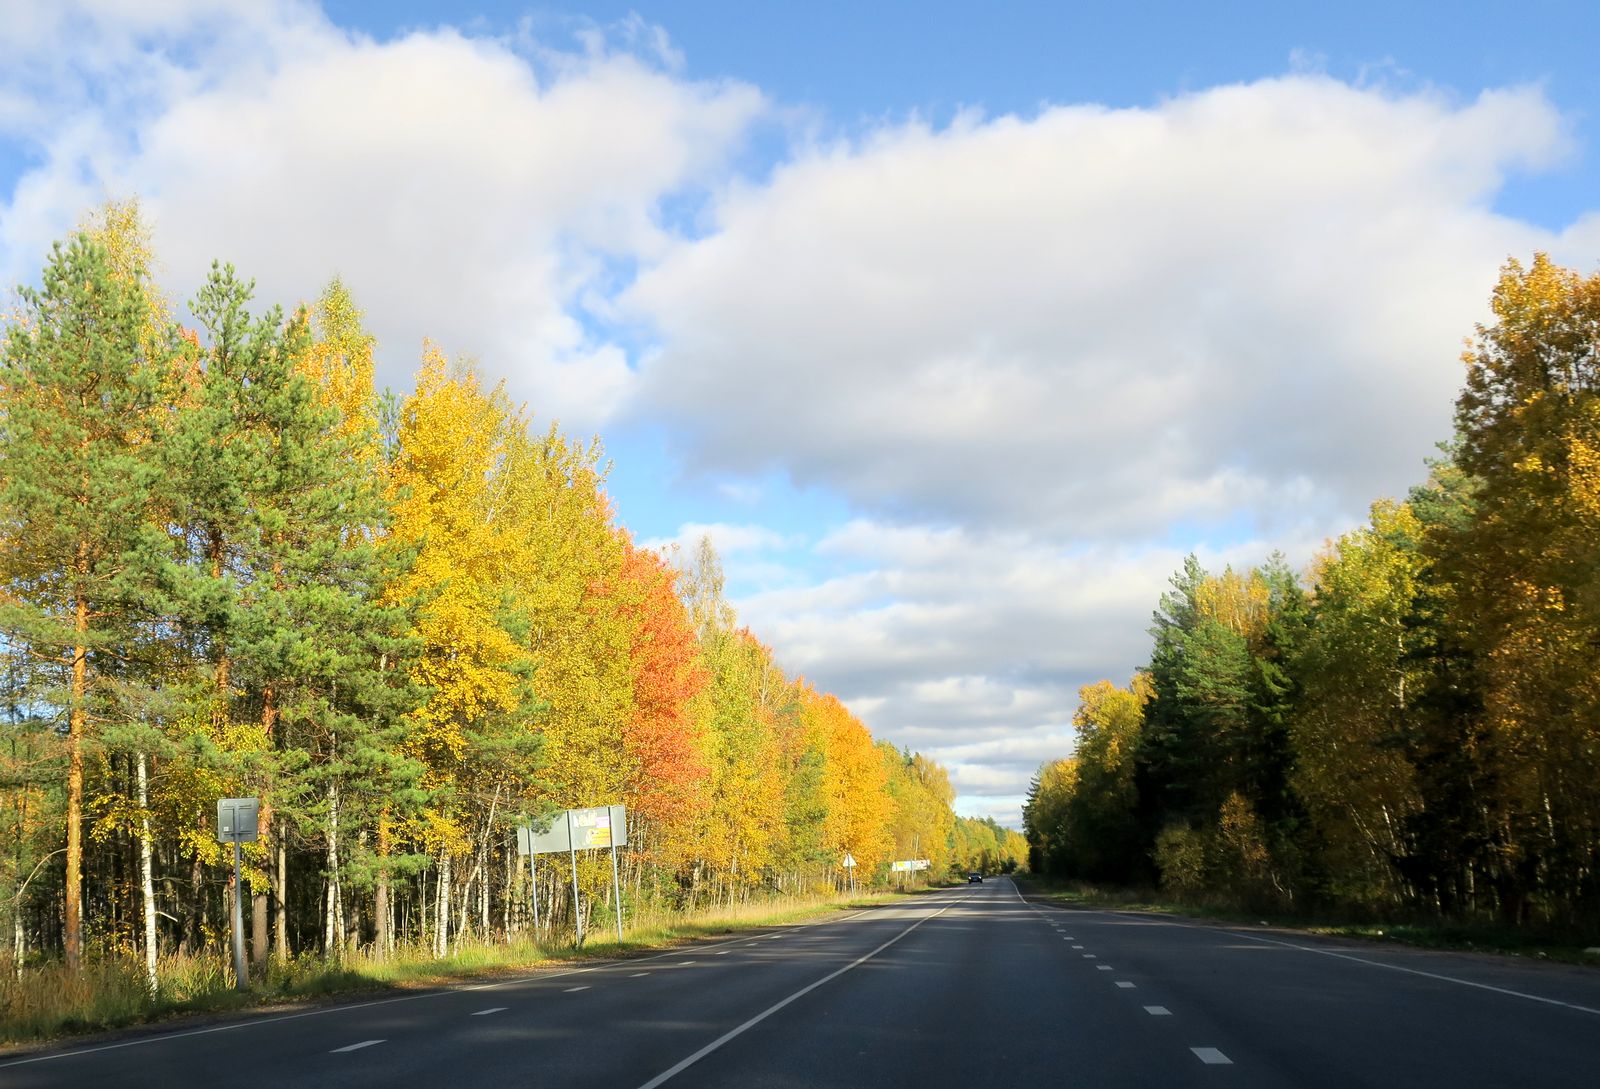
(577, 915)
(533, 885)
(241, 977)
(616, 886)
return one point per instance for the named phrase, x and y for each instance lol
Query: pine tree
(282, 587)
(80, 483)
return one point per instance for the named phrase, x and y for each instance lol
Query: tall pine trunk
(258, 902)
(76, 720)
(383, 929)
(281, 894)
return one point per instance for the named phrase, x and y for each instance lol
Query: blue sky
(955, 326)
(857, 61)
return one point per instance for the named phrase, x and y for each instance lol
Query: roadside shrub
(1181, 857)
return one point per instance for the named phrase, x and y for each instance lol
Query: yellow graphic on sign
(591, 829)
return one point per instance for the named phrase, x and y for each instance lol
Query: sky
(955, 326)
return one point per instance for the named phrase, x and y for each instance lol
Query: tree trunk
(258, 901)
(383, 931)
(441, 912)
(281, 894)
(77, 718)
(259, 906)
(333, 917)
(466, 902)
(147, 886)
(510, 897)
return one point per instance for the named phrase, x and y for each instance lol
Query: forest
(408, 624)
(1411, 728)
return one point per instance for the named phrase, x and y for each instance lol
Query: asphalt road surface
(969, 987)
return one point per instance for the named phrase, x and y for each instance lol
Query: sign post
(525, 846)
(572, 847)
(616, 885)
(237, 823)
(598, 828)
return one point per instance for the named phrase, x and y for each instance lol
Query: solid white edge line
(347, 1006)
(355, 1047)
(738, 1030)
(1419, 972)
(1354, 959)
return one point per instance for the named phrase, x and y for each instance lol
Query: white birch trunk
(147, 887)
(441, 928)
(333, 915)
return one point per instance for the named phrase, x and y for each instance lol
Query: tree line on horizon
(229, 567)
(1413, 727)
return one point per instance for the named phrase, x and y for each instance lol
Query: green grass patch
(1458, 936)
(46, 1001)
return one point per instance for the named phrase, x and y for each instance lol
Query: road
(969, 987)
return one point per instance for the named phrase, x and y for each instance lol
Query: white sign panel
(599, 827)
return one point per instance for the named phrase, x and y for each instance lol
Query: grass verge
(1444, 935)
(46, 1002)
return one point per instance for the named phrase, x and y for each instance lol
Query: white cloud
(971, 645)
(1095, 322)
(728, 539)
(464, 190)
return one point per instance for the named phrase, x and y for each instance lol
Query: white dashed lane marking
(1124, 984)
(1211, 1056)
(491, 1009)
(571, 989)
(636, 975)
(1158, 1011)
(1077, 947)
(355, 1047)
(1090, 956)
(1102, 967)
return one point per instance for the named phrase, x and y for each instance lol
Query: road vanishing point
(969, 987)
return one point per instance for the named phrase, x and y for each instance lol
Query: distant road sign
(849, 862)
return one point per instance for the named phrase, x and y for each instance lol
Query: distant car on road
(974, 878)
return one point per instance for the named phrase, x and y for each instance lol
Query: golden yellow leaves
(1238, 602)
(443, 493)
(339, 362)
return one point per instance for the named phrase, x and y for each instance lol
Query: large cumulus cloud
(1099, 321)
